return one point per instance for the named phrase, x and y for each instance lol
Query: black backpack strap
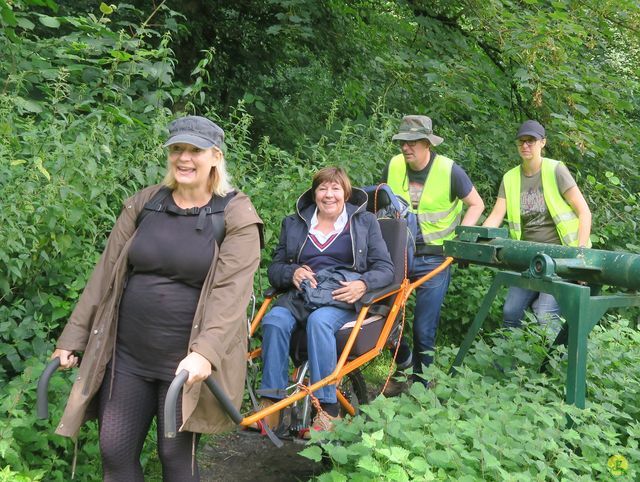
(215, 210)
(217, 206)
(156, 203)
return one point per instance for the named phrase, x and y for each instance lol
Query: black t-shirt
(168, 263)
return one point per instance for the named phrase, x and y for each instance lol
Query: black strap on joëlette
(215, 209)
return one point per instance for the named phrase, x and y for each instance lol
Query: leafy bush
(84, 100)
(27, 445)
(81, 115)
(499, 419)
(80, 118)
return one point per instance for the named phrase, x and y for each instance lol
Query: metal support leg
(477, 322)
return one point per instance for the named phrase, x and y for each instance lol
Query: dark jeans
(426, 316)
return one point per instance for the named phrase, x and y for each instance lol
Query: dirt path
(246, 456)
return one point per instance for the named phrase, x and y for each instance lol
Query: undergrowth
(500, 419)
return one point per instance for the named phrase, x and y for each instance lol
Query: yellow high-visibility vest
(563, 216)
(437, 215)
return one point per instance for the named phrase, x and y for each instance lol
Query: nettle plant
(81, 112)
(500, 419)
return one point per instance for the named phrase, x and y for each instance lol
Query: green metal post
(477, 321)
(549, 270)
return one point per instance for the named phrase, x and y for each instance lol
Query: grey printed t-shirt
(536, 221)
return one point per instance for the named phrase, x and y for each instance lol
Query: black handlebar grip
(172, 399)
(42, 401)
(224, 400)
(170, 403)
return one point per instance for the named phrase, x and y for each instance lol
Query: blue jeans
(322, 324)
(426, 315)
(544, 307)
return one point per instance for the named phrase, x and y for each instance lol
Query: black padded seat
(394, 232)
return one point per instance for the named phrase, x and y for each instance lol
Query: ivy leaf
(582, 109)
(339, 454)
(370, 464)
(439, 458)
(490, 460)
(30, 105)
(396, 472)
(25, 23)
(106, 9)
(332, 476)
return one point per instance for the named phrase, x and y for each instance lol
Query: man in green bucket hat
(436, 189)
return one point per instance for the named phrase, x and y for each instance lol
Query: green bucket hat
(416, 127)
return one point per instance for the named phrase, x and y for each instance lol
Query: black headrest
(394, 232)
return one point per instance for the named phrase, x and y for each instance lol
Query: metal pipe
(42, 400)
(491, 247)
(592, 265)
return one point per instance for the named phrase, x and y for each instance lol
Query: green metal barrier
(551, 269)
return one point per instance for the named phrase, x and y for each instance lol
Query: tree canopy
(86, 91)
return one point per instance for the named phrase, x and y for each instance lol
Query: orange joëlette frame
(343, 367)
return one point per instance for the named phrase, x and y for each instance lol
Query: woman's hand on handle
(67, 358)
(198, 367)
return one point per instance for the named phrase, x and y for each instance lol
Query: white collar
(338, 225)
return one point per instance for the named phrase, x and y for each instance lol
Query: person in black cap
(169, 294)
(542, 203)
(436, 188)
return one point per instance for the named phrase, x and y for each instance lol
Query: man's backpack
(215, 211)
(384, 203)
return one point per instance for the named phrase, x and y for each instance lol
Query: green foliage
(85, 93)
(80, 115)
(499, 419)
(466, 292)
(25, 448)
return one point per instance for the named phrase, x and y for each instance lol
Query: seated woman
(330, 229)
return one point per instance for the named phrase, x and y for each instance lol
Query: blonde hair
(219, 182)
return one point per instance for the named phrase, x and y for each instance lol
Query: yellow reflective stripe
(433, 217)
(512, 196)
(435, 212)
(561, 212)
(441, 234)
(561, 217)
(570, 238)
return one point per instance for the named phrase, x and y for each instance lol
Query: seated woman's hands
(351, 291)
(198, 367)
(303, 273)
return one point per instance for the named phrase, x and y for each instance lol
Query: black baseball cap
(531, 128)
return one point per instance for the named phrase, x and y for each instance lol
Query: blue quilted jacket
(370, 254)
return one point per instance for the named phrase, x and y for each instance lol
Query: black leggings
(124, 421)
